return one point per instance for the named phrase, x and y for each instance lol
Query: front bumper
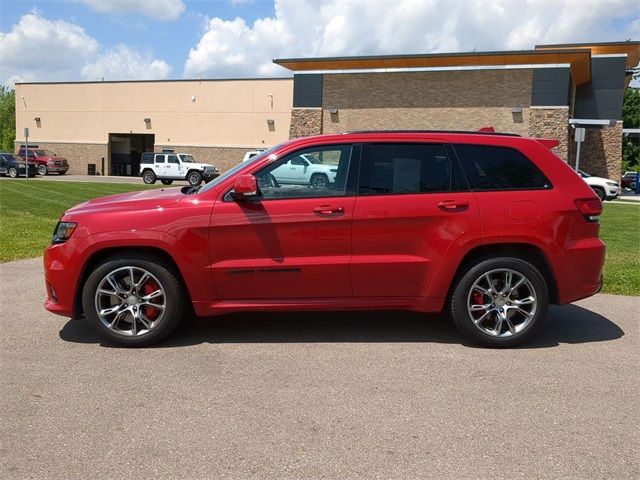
(61, 273)
(58, 168)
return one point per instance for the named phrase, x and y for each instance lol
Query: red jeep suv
(490, 227)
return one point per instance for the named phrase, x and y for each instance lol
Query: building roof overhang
(578, 56)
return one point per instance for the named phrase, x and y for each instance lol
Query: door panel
(282, 248)
(411, 208)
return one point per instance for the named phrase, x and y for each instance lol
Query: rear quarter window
(489, 167)
(146, 158)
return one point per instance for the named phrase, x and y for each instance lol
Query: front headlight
(63, 232)
(611, 184)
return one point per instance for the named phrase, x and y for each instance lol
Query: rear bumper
(582, 276)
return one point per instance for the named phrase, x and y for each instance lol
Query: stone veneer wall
(447, 100)
(222, 157)
(305, 122)
(79, 155)
(601, 153)
(551, 122)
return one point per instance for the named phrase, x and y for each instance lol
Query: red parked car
(46, 161)
(491, 228)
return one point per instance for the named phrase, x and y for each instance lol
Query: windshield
(237, 168)
(44, 153)
(8, 156)
(187, 159)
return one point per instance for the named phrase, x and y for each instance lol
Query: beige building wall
(229, 115)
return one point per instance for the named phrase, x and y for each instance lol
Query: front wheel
(133, 300)
(194, 179)
(149, 177)
(600, 193)
(42, 170)
(499, 302)
(12, 172)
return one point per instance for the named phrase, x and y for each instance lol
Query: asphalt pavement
(381, 395)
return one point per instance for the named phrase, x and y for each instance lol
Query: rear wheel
(12, 172)
(194, 178)
(319, 180)
(499, 302)
(600, 192)
(166, 182)
(133, 300)
(149, 177)
(42, 170)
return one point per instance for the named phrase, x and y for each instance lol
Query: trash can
(91, 169)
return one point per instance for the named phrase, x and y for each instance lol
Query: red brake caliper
(147, 289)
(478, 298)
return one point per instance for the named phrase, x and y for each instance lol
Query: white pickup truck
(306, 169)
(169, 166)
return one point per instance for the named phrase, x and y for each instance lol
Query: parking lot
(359, 395)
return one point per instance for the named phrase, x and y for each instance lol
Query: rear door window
(400, 168)
(489, 167)
(160, 158)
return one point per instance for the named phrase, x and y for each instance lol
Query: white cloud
(309, 28)
(156, 9)
(239, 3)
(37, 48)
(124, 63)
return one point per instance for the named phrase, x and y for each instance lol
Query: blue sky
(44, 40)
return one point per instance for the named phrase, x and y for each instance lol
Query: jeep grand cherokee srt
(490, 228)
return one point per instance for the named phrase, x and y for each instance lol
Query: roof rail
(474, 132)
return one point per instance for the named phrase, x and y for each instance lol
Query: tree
(7, 118)
(631, 119)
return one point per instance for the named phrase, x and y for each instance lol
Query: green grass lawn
(30, 209)
(620, 230)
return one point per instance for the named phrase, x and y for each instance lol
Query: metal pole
(578, 157)
(26, 153)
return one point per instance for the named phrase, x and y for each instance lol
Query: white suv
(306, 169)
(168, 167)
(605, 189)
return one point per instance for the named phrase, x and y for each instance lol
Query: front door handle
(453, 205)
(328, 210)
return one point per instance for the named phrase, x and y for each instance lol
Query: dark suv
(14, 167)
(489, 228)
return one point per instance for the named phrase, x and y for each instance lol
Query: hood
(144, 200)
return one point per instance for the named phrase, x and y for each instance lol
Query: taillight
(590, 208)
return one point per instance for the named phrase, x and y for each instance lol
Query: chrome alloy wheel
(130, 301)
(502, 302)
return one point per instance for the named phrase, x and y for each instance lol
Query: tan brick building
(541, 92)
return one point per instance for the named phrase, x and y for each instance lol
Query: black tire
(166, 182)
(477, 333)
(149, 177)
(12, 172)
(43, 170)
(600, 193)
(174, 298)
(194, 178)
(319, 180)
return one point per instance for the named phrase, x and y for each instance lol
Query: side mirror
(245, 187)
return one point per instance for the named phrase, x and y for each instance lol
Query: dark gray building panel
(602, 97)
(307, 90)
(551, 87)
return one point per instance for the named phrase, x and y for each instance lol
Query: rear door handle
(453, 205)
(328, 210)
